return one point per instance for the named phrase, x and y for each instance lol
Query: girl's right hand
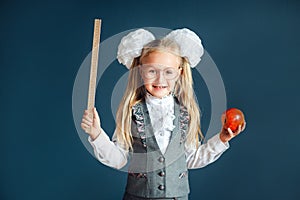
(91, 126)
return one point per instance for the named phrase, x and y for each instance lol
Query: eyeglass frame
(156, 70)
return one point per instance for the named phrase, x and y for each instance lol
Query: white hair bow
(132, 44)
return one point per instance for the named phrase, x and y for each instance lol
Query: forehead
(162, 58)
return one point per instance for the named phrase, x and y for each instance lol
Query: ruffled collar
(161, 111)
(158, 101)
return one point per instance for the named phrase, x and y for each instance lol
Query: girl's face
(160, 71)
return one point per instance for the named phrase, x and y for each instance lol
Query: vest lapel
(150, 132)
(175, 136)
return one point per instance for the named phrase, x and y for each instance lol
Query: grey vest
(152, 174)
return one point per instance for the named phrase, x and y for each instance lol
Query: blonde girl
(157, 136)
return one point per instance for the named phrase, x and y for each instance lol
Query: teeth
(160, 87)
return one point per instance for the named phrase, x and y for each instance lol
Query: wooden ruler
(94, 66)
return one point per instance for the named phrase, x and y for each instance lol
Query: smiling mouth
(159, 87)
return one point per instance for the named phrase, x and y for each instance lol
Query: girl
(157, 133)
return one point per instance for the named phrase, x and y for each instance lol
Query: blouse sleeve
(109, 152)
(205, 153)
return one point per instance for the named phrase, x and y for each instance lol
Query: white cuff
(217, 144)
(100, 141)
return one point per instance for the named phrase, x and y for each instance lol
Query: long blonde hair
(135, 92)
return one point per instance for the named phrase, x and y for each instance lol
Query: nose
(160, 78)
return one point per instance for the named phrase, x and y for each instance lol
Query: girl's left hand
(227, 134)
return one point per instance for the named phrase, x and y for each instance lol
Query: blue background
(255, 45)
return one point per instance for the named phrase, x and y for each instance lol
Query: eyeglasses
(151, 71)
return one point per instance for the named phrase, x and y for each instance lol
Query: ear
(140, 73)
(181, 70)
(140, 70)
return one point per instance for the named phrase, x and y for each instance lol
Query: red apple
(233, 118)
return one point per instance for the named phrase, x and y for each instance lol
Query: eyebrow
(160, 65)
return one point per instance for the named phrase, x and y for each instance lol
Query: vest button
(161, 159)
(162, 173)
(161, 187)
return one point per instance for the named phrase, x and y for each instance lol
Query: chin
(159, 94)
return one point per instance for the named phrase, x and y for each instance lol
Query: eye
(151, 71)
(170, 72)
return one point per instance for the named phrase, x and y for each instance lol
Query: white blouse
(161, 113)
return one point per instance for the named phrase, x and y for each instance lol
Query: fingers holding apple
(233, 121)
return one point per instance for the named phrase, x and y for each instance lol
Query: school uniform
(159, 162)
